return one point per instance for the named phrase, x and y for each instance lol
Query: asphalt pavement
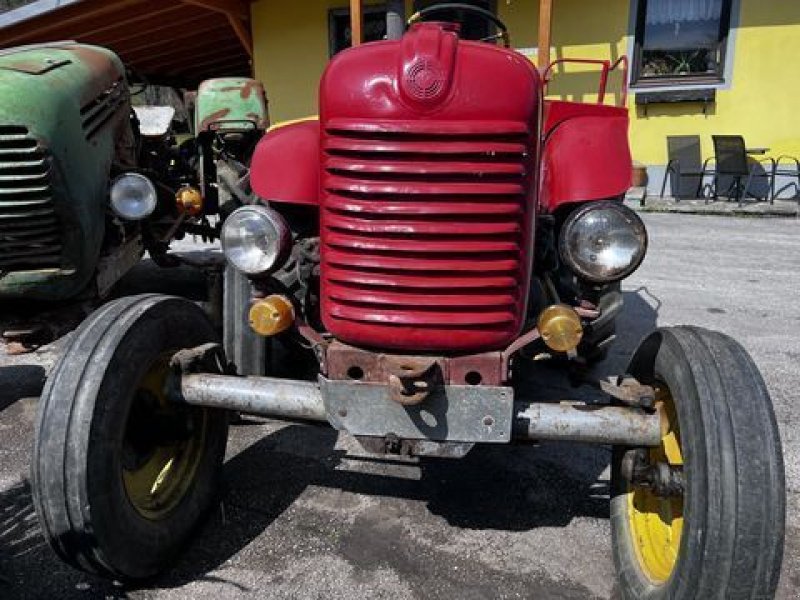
(305, 514)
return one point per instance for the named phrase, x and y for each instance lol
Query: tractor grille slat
(99, 112)
(12, 168)
(30, 235)
(20, 188)
(425, 228)
(22, 179)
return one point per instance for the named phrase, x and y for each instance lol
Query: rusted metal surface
(269, 397)
(412, 379)
(522, 341)
(343, 361)
(208, 358)
(231, 104)
(584, 423)
(55, 159)
(629, 391)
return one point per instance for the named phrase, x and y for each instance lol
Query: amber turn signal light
(560, 328)
(271, 316)
(189, 201)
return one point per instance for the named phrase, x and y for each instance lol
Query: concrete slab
(786, 208)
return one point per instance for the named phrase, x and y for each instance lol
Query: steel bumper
(474, 414)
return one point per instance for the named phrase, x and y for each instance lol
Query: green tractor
(91, 177)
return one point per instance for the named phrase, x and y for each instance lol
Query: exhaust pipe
(302, 401)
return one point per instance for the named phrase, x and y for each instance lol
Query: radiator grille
(30, 236)
(425, 226)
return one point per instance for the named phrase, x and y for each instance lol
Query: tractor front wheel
(122, 475)
(702, 515)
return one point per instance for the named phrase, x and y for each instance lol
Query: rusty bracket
(530, 337)
(208, 358)
(412, 379)
(630, 392)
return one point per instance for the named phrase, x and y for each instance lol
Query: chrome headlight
(603, 242)
(256, 240)
(133, 197)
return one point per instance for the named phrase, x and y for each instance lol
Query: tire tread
(736, 505)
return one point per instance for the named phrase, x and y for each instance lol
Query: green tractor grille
(30, 236)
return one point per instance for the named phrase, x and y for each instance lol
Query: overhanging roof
(179, 42)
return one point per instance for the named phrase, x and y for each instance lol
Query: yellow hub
(162, 448)
(656, 523)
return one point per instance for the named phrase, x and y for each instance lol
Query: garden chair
(787, 171)
(685, 168)
(733, 167)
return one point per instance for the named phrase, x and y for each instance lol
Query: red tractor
(405, 255)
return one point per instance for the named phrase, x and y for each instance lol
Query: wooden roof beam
(239, 8)
(357, 22)
(545, 33)
(59, 20)
(179, 45)
(127, 21)
(166, 31)
(238, 15)
(167, 63)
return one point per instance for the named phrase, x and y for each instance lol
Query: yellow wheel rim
(162, 448)
(656, 523)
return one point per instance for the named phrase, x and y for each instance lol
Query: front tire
(121, 475)
(722, 537)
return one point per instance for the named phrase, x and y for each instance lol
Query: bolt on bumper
(459, 414)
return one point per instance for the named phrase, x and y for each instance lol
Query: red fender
(586, 155)
(285, 165)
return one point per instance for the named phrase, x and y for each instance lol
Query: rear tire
(729, 542)
(121, 476)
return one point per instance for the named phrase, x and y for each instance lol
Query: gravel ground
(305, 515)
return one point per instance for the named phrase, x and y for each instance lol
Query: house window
(341, 33)
(680, 41)
(473, 27)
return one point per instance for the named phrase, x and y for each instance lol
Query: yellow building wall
(291, 51)
(762, 102)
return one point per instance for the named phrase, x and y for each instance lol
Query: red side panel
(586, 154)
(428, 193)
(285, 165)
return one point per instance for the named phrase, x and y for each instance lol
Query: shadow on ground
(17, 382)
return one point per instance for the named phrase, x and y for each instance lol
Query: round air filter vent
(425, 80)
